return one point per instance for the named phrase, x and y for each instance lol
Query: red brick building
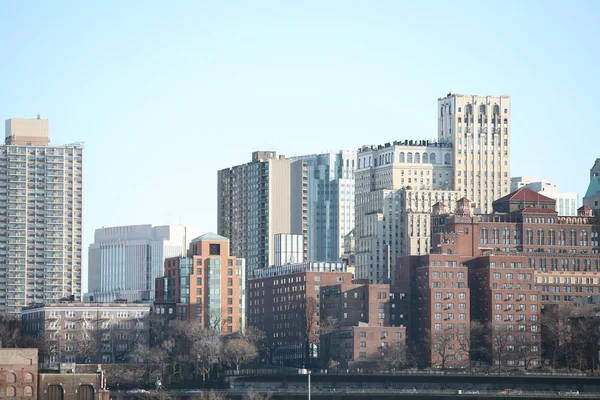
(505, 298)
(18, 373)
(284, 302)
(564, 251)
(433, 300)
(358, 321)
(207, 286)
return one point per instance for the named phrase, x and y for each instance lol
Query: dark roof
(539, 211)
(525, 195)
(464, 200)
(439, 204)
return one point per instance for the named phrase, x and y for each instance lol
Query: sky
(166, 93)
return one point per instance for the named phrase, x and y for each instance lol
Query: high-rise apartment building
(208, 286)
(258, 200)
(592, 195)
(396, 186)
(566, 203)
(41, 193)
(123, 261)
(478, 128)
(330, 203)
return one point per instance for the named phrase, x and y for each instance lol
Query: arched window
(482, 109)
(11, 391)
(529, 237)
(432, 158)
(409, 158)
(483, 236)
(10, 377)
(551, 238)
(540, 237)
(496, 109)
(28, 391)
(402, 157)
(28, 377)
(447, 159)
(418, 158)
(425, 158)
(495, 236)
(469, 109)
(561, 238)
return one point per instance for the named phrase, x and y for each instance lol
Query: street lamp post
(306, 372)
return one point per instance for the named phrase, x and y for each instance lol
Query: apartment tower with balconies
(41, 193)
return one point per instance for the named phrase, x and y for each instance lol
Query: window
(398, 335)
(199, 262)
(229, 282)
(362, 354)
(363, 334)
(363, 345)
(318, 278)
(230, 262)
(199, 281)
(229, 272)
(214, 249)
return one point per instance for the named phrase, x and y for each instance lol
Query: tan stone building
(478, 128)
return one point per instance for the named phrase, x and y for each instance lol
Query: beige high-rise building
(397, 184)
(258, 200)
(478, 128)
(41, 201)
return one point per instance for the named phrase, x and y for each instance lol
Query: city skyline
(360, 75)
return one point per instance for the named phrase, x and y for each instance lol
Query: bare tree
(326, 329)
(557, 334)
(500, 338)
(439, 345)
(257, 396)
(86, 345)
(308, 318)
(395, 359)
(472, 341)
(239, 351)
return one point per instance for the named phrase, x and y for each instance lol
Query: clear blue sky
(165, 93)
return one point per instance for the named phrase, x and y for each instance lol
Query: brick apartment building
(505, 297)
(433, 300)
(284, 302)
(206, 286)
(356, 324)
(564, 251)
(86, 332)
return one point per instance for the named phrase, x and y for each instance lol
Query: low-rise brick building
(356, 324)
(18, 374)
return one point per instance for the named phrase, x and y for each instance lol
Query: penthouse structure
(41, 206)
(208, 286)
(284, 302)
(566, 203)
